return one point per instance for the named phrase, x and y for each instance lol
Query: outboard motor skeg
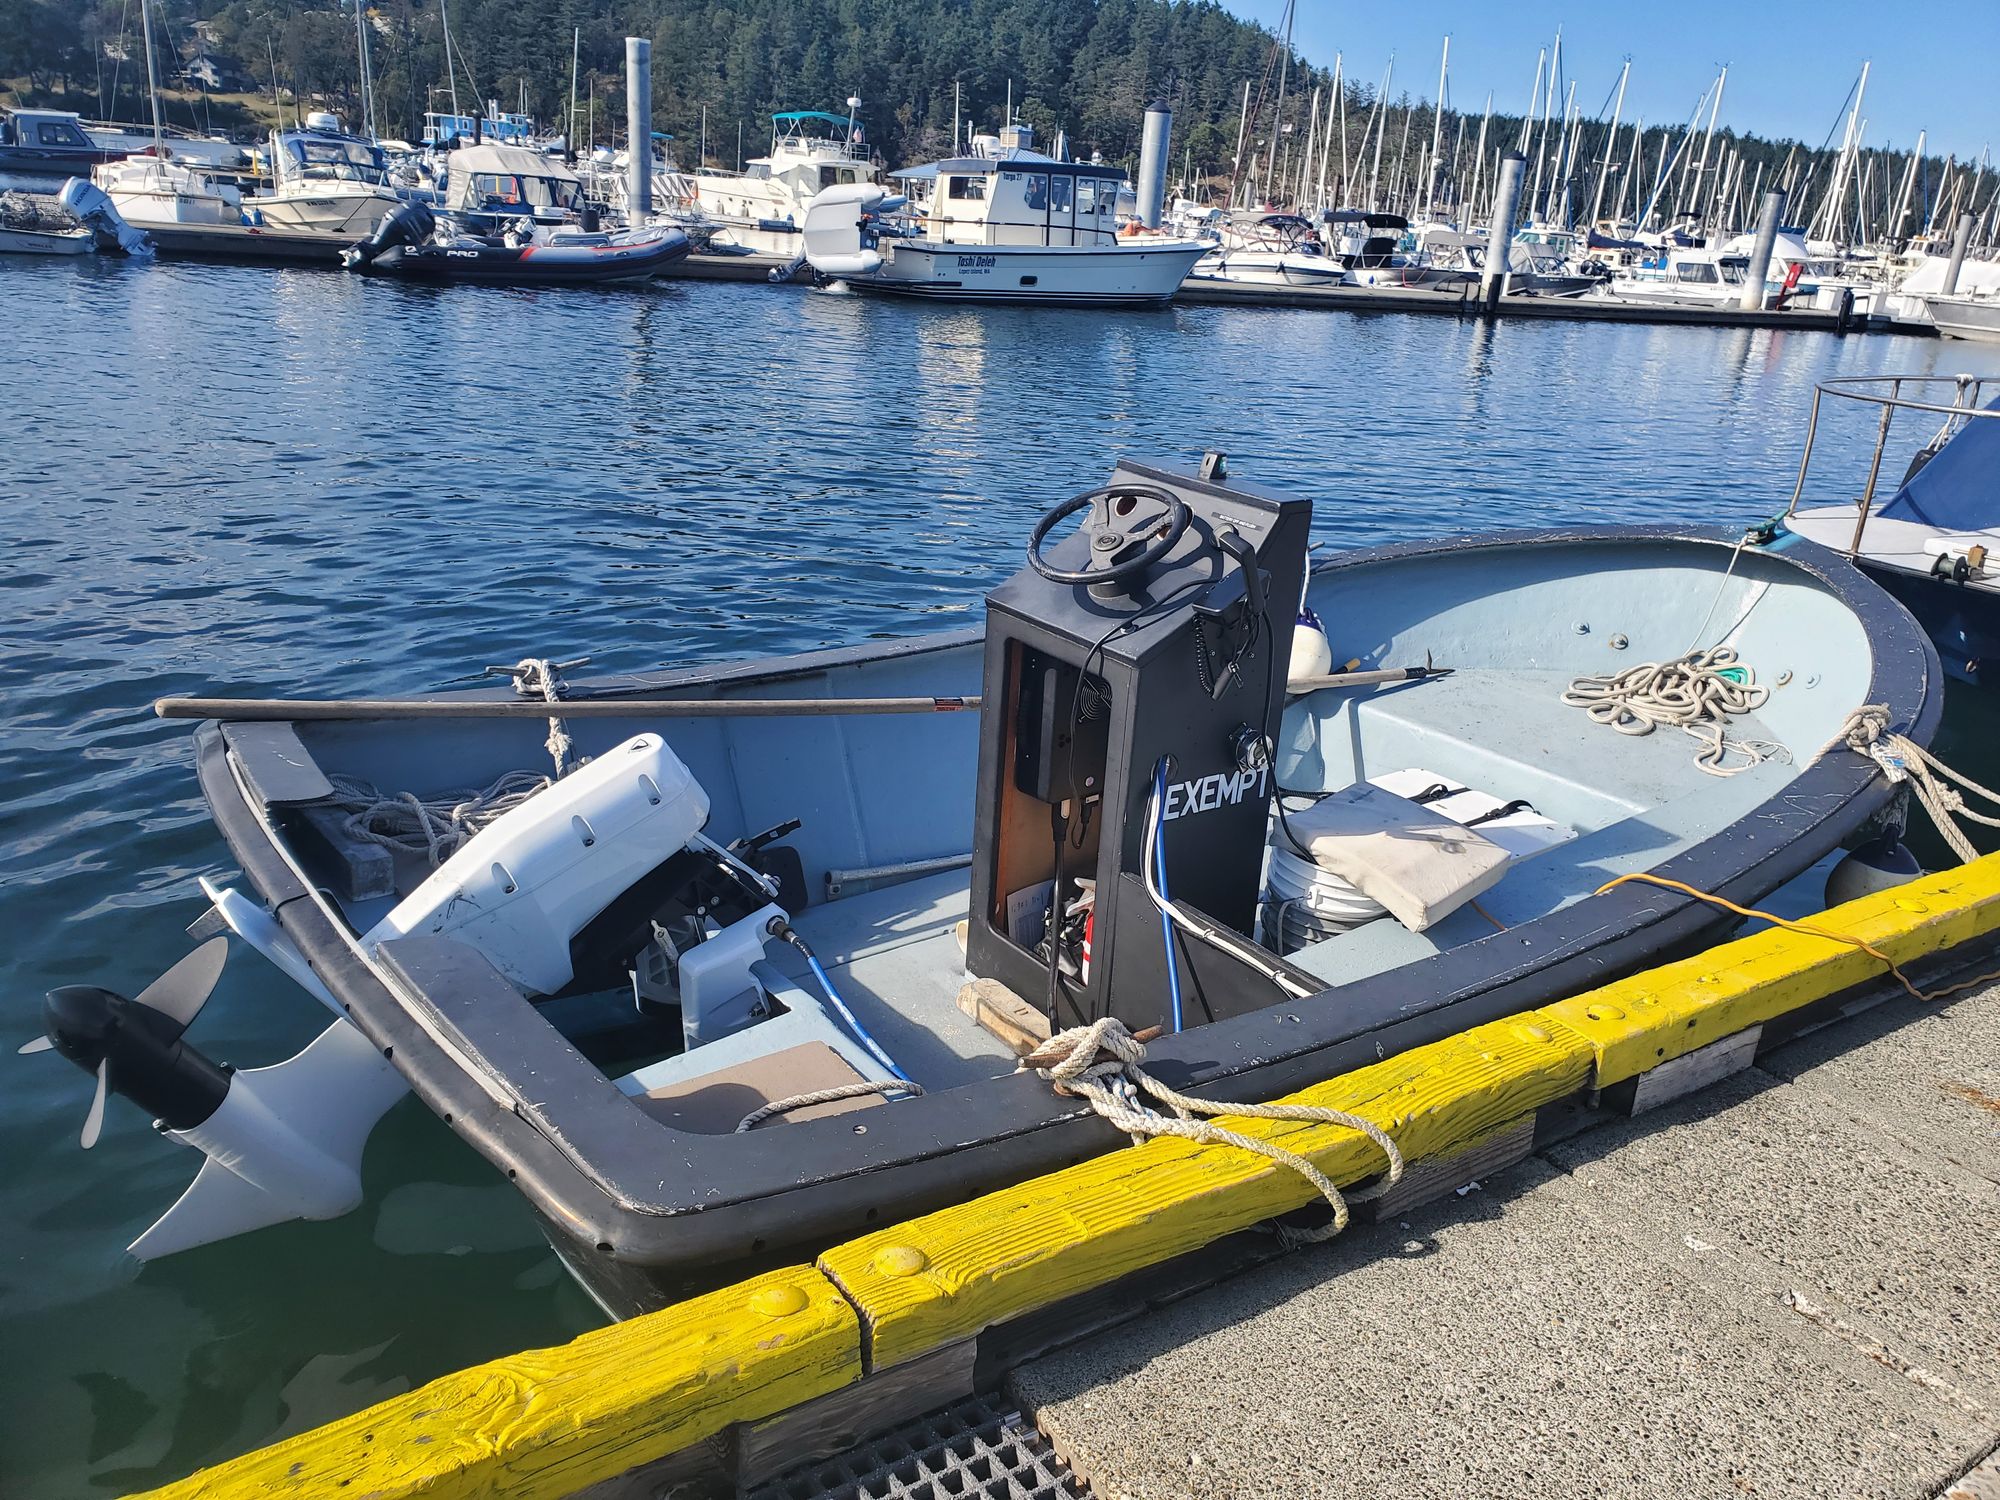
(412, 224)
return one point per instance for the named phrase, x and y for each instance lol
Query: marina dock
(1631, 1219)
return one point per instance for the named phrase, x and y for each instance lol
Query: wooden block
(355, 868)
(844, 1419)
(1005, 1014)
(1442, 1175)
(1694, 1070)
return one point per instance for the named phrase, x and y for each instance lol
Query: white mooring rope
(536, 676)
(1901, 758)
(1695, 694)
(1114, 1087)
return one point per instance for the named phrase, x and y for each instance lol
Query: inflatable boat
(729, 964)
(403, 244)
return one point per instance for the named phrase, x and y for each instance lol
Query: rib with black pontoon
(778, 879)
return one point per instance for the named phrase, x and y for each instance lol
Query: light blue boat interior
(1514, 622)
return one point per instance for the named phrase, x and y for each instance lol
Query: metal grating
(980, 1449)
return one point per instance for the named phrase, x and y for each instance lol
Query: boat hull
(46, 242)
(638, 1241)
(1977, 319)
(531, 265)
(348, 216)
(1080, 276)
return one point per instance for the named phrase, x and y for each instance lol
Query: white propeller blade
(93, 1122)
(179, 993)
(39, 1044)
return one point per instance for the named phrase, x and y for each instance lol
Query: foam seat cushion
(1417, 863)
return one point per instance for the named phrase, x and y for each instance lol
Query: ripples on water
(249, 481)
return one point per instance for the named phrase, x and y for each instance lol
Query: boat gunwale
(780, 1198)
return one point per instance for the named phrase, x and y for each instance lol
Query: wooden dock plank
(551, 1422)
(1637, 1023)
(949, 1274)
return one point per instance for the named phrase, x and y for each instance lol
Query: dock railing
(1887, 392)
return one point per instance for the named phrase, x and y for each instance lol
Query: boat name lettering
(1207, 793)
(976, 262)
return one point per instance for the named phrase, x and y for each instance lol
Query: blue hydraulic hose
(854, 1025)
(1160, 879)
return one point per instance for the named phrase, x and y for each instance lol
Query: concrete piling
(639, 128)
(1960, 238)
(1500, 239)
(1152, 184)
(1759, 274)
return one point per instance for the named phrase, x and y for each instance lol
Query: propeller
(91, 1026)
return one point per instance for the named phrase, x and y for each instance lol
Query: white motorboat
(326, 181)
(158, 190)
(1370, 249)
(1697, 276)
(76, 221)
(763, 207)
(1270, 249)
(1007, 225)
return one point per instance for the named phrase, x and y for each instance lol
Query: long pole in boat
(1610, 140)
(1566, 153)
(1714, 109)
(1539, 150)
(638, 129)
(1827, 220)
(322, 710)
(1437, 132)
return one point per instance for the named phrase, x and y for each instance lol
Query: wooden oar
(254, 710)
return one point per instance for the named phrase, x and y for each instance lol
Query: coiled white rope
(1901, 758)
(757, 1117)
(1119, 1089)
(1698, 693)
(434, 826)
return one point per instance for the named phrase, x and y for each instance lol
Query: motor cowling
(411, 224)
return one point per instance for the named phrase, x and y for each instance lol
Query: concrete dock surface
(1786, 1284)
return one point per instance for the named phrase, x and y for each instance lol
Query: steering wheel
(1121, 515)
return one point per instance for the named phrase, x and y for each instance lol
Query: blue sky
(1790, 68)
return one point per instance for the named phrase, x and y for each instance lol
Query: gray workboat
(720, 966)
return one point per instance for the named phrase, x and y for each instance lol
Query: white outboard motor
(525, 885)
(94, 208)
(844, 225)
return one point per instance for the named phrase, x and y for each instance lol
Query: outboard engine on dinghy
(93, 207)
(279, 1143)
(412, 224)
(1146, 651)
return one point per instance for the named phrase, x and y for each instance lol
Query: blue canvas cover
(1959, 490)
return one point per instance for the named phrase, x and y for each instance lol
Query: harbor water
(243, 481)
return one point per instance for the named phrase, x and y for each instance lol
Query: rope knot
(538, 677)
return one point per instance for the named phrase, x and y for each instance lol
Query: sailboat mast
(1610, 140)
(1381, 111)
(1437, 131)
(152, 78)
(575, 58)
(450, 77)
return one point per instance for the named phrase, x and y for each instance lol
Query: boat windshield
(343, 161)
(504, 190)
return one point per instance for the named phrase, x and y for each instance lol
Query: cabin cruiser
(1696, 276)
(41, 149)
(1005, 225)
(763, 207)
(1269, 249)
(1935, 543)
(1373, 250)
(325, 181)
(724, 965)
